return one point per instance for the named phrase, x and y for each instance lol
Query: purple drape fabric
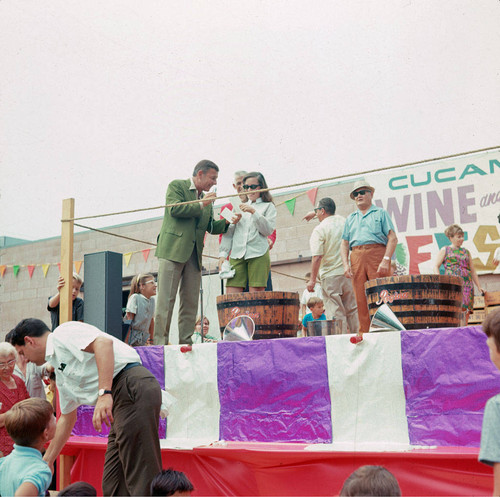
(152, 359)
(447, 377)
(278, 390)
(274, 391)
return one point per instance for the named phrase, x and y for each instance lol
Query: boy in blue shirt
(317, 308)
(31, 424)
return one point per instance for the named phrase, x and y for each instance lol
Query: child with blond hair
(53, 304)
(141, 309)
(317, 308)
(196, 338)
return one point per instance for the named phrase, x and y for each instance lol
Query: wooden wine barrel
(419, 301)
(276, 314)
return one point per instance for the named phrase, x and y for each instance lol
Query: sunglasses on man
(359, 192)
(251, 187)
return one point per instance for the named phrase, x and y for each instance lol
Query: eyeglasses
(316, 209)
(360, 192)
(251, 187)
(150, 281)
(8, 364)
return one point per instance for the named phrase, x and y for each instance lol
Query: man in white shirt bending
(94, 368)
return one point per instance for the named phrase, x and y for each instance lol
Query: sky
(106, 102)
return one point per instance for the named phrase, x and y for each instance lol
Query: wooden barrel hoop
(419, 301)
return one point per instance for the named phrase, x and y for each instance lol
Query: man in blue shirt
(369, 235)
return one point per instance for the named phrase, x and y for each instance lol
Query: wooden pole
(66, 302)
(66, 308)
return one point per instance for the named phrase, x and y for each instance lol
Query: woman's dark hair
(265, 196)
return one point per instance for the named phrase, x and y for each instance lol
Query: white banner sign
(423, 200)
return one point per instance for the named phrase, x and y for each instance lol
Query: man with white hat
(369, 235)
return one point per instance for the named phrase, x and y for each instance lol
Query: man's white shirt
(76, 371)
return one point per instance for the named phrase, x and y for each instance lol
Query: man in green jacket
(180, 247)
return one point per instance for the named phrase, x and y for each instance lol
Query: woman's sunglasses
(251, 187)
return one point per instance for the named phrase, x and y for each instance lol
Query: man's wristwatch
(102, 392)
(386, 258)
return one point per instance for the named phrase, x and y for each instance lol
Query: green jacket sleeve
(176, 193)
(217, 227)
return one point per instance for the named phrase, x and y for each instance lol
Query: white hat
(362, 184)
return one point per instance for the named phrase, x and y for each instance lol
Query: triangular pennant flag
(78, 266)
(45, 268)
(31, 268)
(145, 254)
(290, 205)
(2, 270)
(59, 266)
(127, 256)
(312, 195)
(16, 269)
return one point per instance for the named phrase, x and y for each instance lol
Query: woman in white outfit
(246, 241)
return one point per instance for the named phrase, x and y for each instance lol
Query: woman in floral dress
(458, 262)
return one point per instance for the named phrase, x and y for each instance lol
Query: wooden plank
(492, 308)
(65, 463)
(64, 470)
(477, 316)
(492, 298)
(478, 302)
(67, 233)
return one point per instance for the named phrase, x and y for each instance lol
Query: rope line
(285, 201)
(151, 243)
(115, 234)
(154, 245)
(293, 185)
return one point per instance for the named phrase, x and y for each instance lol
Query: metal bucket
(323, 328)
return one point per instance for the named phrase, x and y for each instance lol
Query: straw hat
(362, 184)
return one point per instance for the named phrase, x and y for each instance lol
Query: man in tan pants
(369, 234)
(338, 294)
(180, 247)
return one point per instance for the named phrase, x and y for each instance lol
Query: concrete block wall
(22, 296)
